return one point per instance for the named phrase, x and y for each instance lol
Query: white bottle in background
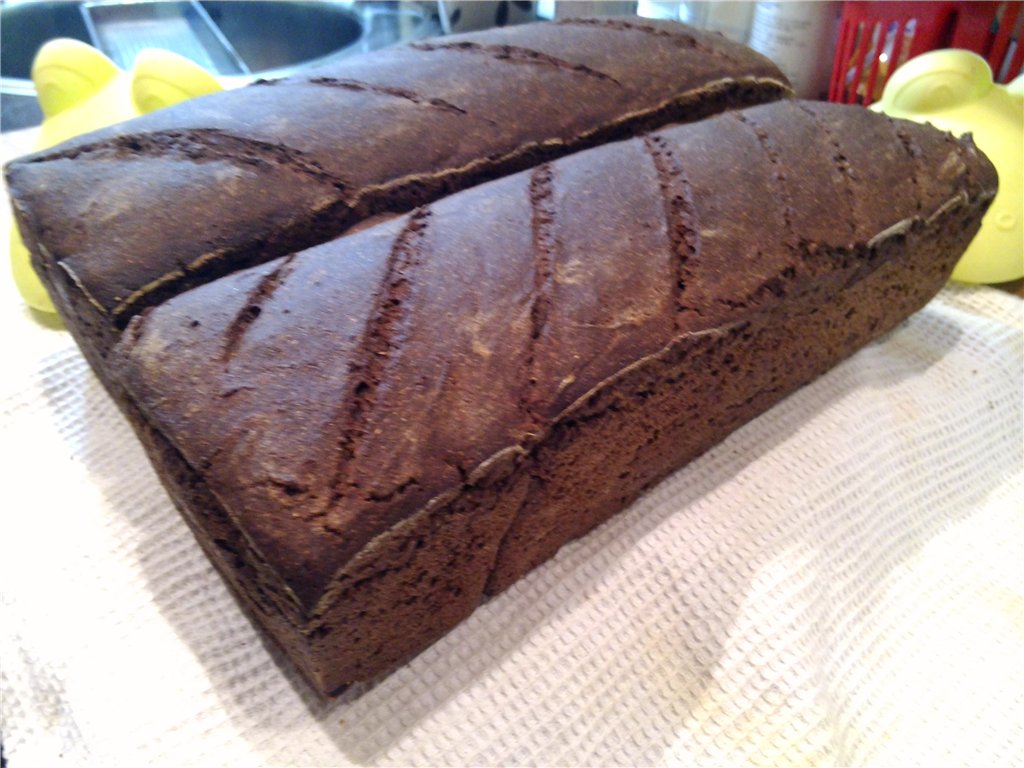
(799, 38)
(567, 9)
(733, 19)
(659, 9)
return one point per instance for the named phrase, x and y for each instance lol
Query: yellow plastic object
(954, 90)
(79, 90)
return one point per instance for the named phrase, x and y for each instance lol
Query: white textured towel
(839, 582)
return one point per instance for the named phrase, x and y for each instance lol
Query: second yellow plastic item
(79, 90)
(954, 90)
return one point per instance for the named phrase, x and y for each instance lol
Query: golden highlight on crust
(79, 284)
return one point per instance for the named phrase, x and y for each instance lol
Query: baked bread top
(134, 213)
(328, 395)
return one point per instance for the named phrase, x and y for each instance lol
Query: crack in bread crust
(840, 162)
(545, 255)
(384, 90)
(681, 218)
(381, 338)
(772, 153)
(263, 291)
(514, 54)
(626, 25)
(200, 145)
(915, 154)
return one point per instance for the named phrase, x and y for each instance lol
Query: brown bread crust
(371, 435)
(120, 219)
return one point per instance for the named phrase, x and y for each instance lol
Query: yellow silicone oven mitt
(954, 90)
(79, 90)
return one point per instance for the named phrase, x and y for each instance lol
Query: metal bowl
(237, 40)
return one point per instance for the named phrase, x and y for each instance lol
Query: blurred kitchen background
(842, 51)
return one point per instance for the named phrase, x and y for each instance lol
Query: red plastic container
(877, 37)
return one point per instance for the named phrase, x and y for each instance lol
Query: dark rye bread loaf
(372, 435)
(120, 219)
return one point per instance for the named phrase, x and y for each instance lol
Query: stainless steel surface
(238, 40)
(25, 26)
(121, 30)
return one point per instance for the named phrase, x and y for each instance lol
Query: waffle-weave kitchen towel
(839, 582)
